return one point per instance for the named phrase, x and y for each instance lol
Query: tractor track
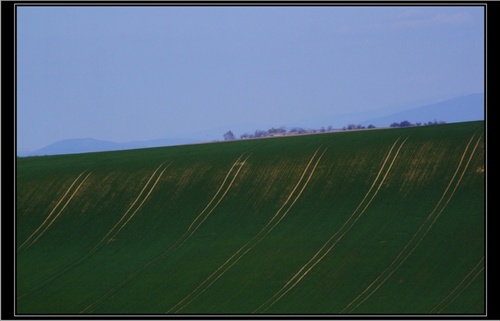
(195, 224)
(100, 244)
(43, 225)
(276, 219)
(328, 246)
(418, 236)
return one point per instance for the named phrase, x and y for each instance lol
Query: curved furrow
(141, 204)
(51, 212)
(129, 208)
(97, 246)
(470, 277)
(216, 204)
(209, 281)
(180, 241)
(474, 277)
(62, 209)
(215, 195)
(414, 241)
(327, 247)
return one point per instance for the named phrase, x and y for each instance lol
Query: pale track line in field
(185, 236)
(454, 189)
(237, 252)
(255, 237)
(423, 224)
(291, 193)
(300, 275)
(298, 195)
(463, 289)
(129, 208)
(142, 203)
(55, 207)
(218, 202)
(275, 224)
(93, 250)
(60, 211)
(217, 193)
(458, 286)
(415, 235)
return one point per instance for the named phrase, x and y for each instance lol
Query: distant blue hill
(89, 145)
(459, 109)
(75, 146)
(455, 110)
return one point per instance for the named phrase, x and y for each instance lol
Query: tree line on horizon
(281, 131)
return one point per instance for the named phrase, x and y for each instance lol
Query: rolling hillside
(366, 222)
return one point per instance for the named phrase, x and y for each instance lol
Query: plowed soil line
(318, 257)
(53, 210)
(180, 241)
(471, 276)
(101, 242)
(254, 241)
(415, 240)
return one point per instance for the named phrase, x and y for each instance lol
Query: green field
(386, 221)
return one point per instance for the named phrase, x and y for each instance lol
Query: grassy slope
(372, 225)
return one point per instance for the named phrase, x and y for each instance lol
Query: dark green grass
(144, 271)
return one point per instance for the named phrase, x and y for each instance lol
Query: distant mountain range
(459, 109)
(456, 110)
(89, 145)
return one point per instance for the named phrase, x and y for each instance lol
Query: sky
(128, 73)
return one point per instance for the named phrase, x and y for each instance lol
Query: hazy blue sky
(139, 73)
